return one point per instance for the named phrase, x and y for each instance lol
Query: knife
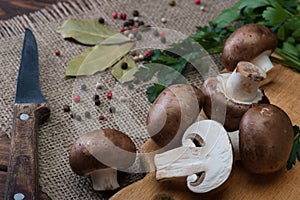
(30, 110)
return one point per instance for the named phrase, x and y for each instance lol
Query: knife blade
(30, 109)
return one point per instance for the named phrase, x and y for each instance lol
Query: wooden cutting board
(284, 92)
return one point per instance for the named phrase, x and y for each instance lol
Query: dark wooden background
(10, 8)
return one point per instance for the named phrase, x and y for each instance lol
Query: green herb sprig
(295, 154)
(281, 16)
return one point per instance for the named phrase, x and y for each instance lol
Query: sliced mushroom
(99, 154)
(205, 158)
(174, 110)
(253, 43)
(234, 93)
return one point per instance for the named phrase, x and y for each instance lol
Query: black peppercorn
(135, 13)
(87, 114)
(172, 3)
(124, 65)
(163, 40)
(83, 87)
(126, 24)
(101, 20)
(96, 97)
(66, 108)
(156, 33)
(141, 23)
(78, 118)
(130, 22)
(97, 102)
(112, 109)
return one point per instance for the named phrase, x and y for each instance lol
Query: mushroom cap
(234, 110)
(172, 112)
(99, 149)
(266, 139)
(246, 43)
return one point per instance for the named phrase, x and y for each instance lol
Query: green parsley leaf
(154, 91)
(275, 15)
(295, 153)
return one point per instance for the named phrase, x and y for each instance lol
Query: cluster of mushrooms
(241, 125)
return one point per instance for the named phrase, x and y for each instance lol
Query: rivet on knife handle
(22, 177)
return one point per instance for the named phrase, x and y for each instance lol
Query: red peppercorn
(115, 15)
(109, 95)
(123, 16)
(161, 33)
(57, 52)
(76, 98)
(197, 2)
(148, 53)
(122, 30)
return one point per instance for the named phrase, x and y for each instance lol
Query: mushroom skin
(253, 43)
(205, 158)
(237, 92)
(174, 110)
(265, 139)
(100, 153)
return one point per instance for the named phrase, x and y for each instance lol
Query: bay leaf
(89, 32)
(97, 58)
(124, 75)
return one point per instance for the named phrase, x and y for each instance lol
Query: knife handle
(22, 176)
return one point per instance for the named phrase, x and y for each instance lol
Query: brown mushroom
(253, 43)
(265, 139)
(174, 110)
(99, 154)
(230, 95)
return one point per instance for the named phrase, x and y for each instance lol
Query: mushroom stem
(105, 179)
(263, 61)
(242, 85)
(234, 138)
(179, 162)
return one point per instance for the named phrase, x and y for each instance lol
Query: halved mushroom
(205, 158)
(174, 110)
(234, 93)
(99, 154)
(253, 43)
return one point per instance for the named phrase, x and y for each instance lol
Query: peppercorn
(76, 98)
(83, 87)
(78, 118)
(123, 16)
(122, 30)
(112, 109)
(163, 20)
(161, 33)
(130, 22)
(97, 102)
(172, 3)
(130, 86)
(96, 97)
(101, 20)
(131, 36)
(57, 52)
(139, 36)
(115, 15)
(163, 40)
(101, 117)
(141, 57)
(156, 33)
(124, 65)
(109, 95)
(135, 13)
(66, 108)
(197, 2)
(141, 23)
(136, 19)
(148, 53)
(87, 114)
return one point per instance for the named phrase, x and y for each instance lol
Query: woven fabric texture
(58, 134)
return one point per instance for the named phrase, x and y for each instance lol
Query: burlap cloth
(58, 134)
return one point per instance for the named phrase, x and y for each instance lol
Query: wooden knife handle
(22, 176)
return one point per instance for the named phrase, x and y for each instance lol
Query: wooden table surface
(284, 92)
